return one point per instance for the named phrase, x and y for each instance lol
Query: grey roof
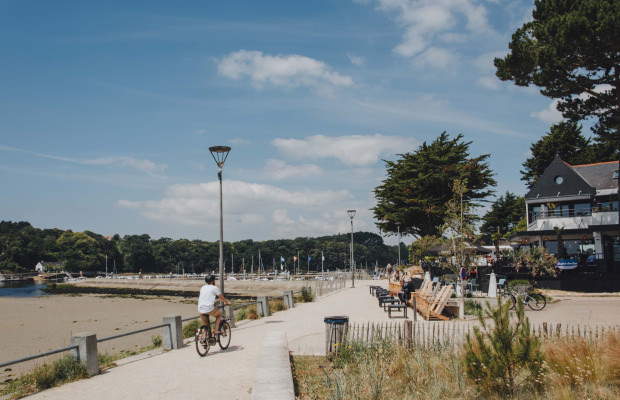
(599, 175)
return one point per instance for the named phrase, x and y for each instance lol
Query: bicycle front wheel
(536, 301)
(202, 341)
(224, 337)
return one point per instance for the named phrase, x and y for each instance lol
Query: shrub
(62, 370)
(277, 305)
(189, 330)
(506, 357)
(306, 295)
(241, 314)
(157, 341)
(472, 307)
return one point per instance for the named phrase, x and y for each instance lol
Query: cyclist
(206, 302)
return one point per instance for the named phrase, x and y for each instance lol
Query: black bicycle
(205, 338)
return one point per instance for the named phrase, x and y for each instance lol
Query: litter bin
(336, 328)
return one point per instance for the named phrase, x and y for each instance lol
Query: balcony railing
(569, 213)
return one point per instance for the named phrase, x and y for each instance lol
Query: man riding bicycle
(206, 303)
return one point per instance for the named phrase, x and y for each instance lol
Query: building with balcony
(577, 204)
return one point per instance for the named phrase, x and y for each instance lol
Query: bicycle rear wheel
(536, 301)
(509, 298)
(224, 337)
(202, 341)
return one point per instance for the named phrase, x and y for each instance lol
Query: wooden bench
(397, 307)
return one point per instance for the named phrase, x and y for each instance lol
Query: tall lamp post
(351, 215)
(220, 153)
(398, 225)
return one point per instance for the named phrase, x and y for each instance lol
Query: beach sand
(34, 325)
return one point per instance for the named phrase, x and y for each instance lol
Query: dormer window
(616, 174)
(558, 180)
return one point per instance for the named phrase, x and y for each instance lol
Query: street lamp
(398, 226)
(351, 215)
(220, 153)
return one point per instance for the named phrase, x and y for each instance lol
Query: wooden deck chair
(425, 304)
(439, 305)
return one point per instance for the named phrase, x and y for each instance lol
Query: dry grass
(580, 369)
(574, 369)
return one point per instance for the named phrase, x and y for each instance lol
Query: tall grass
(45, 376)
(573, 369)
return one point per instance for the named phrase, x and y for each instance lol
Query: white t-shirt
(206, 300)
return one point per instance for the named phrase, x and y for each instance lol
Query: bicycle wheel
(224, 337)
(536, 301)
(202, 342)
(509, 298)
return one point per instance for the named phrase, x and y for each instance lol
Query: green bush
(503, 358)
(306, 295)
(189, 330)
(156, 341)
(518, 282)
(241, 314)
(62, 370)
(472, 307)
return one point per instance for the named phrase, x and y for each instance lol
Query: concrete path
(225, 374)
(230, 374)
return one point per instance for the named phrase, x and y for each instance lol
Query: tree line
(23, 246)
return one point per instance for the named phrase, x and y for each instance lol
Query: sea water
(21, 289)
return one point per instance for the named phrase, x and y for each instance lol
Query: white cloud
(354, 150)
(278, 169)
(142, 165)
(435, 57)
(489, 82)
(239, 141)
(356, 60)
(193, 204)
(549, 115)
(281, 71)
(426, 20)
(484, 63)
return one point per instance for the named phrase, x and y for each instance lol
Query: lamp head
(351, 213)
(219, 153)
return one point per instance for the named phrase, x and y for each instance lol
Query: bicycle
(535, 301)
(204, 338)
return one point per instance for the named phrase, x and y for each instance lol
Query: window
(558, 180)
(616, 174)
(582, 209)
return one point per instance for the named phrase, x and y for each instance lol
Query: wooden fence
(409, 333)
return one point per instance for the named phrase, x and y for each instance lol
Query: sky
(108, 109)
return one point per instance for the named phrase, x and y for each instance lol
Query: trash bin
(336, 328)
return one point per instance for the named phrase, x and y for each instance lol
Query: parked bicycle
(205, 338)
(535, 301)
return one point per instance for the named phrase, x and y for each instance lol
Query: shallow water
(21, 289)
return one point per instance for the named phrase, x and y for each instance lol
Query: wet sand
(34, 325)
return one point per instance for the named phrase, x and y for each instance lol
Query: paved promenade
(230, 374)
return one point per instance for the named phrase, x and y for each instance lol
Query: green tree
(571, 49)
(505, 213)
(419, 185)
(564, 140)
(419, 248)
(504, 357)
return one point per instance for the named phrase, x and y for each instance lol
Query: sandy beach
(34, 325)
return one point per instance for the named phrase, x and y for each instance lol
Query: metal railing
(69, 348)
(47, 353)
(135, 332)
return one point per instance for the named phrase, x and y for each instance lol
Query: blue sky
(107, 109)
